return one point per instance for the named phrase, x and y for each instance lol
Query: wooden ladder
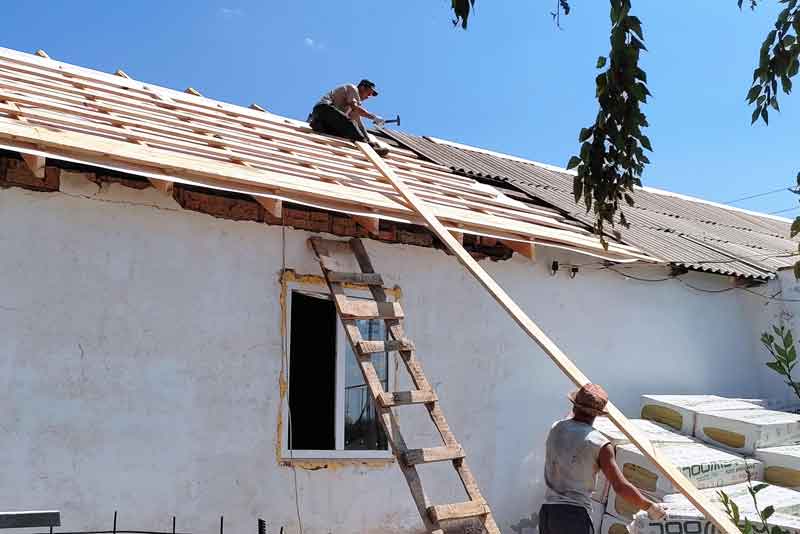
(350, 312)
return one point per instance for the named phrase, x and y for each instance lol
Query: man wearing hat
(575, 453)
(339, 113)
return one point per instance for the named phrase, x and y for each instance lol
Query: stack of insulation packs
(718, 444)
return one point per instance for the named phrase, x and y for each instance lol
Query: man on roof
(339, 113)
(575, 452)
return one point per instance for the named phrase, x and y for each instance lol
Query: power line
(758, 195)
(784, 210)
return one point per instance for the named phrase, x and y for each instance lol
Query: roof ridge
(649, 189)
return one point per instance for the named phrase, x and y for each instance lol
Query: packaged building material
(783, 500)
(678, 411)
(613, 525)
(684, 521)
(683, 518)
(655, 432)
(704, 466)
(744, 431)
(780, 405)
(597, 516)
(781, 465)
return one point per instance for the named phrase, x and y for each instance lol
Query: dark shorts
(327, 119)
(564, 519)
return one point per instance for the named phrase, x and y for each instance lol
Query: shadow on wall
(527, 525)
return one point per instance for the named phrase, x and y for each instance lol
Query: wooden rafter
(36, 164)
(104, 119)
(371, 224)
(273, 206)
(523, 248)
(678, 479)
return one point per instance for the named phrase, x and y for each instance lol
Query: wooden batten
(35, 164)
(522, 248)
(371, 224)
(192, 91)
(122, 73)
(42, 53)
(273, 206)
(257, 107)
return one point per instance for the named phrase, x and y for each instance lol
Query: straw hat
(591, 399)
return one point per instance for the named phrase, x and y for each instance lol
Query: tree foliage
(611, 157)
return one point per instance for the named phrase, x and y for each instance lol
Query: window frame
(341, 352)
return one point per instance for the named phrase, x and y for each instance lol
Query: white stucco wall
(140, 352)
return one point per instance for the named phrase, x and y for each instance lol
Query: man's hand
(378, 121)
(656, 512)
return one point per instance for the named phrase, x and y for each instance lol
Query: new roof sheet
(691, 233)
(66, 112)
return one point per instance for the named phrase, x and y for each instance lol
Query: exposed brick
(133, 181)
(415, 238)
(17, 173)
(343, 226)
(219, 206)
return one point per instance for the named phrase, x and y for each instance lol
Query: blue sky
(513, 82)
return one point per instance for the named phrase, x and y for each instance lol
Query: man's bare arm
(623, 488)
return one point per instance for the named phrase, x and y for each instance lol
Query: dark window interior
(312, 373)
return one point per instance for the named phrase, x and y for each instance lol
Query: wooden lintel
(192, 91)
(165, 186)
(523, 248)
(35, 164)
(371, 224)
(42, 53)
(122, 73)
(273, 206)
(257, 107)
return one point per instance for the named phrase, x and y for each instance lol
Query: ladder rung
(364, 279)
(370, 309)
(371, 347)
(462, 510)
(398, 398)
(432, 454)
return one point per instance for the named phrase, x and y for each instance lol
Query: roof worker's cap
(591, 399)
(368, 84)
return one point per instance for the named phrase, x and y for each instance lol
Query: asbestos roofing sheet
(677, 229)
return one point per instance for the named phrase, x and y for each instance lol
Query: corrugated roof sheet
(685, 232)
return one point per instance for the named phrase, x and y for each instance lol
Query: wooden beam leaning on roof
(715, 515)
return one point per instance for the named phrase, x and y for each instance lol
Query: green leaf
(795, 227)
(753, 93)
(585, 134)
(767, 512)
(759, 487)
(601, 62)
(775, 366)
(574, 161)
(796, 269)
(756, 113)
(765, 115)
(646, 142)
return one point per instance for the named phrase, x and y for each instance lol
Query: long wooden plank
(462, 510)
(433, 454)
(717, 516)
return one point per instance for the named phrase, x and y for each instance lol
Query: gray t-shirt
(571, 467)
